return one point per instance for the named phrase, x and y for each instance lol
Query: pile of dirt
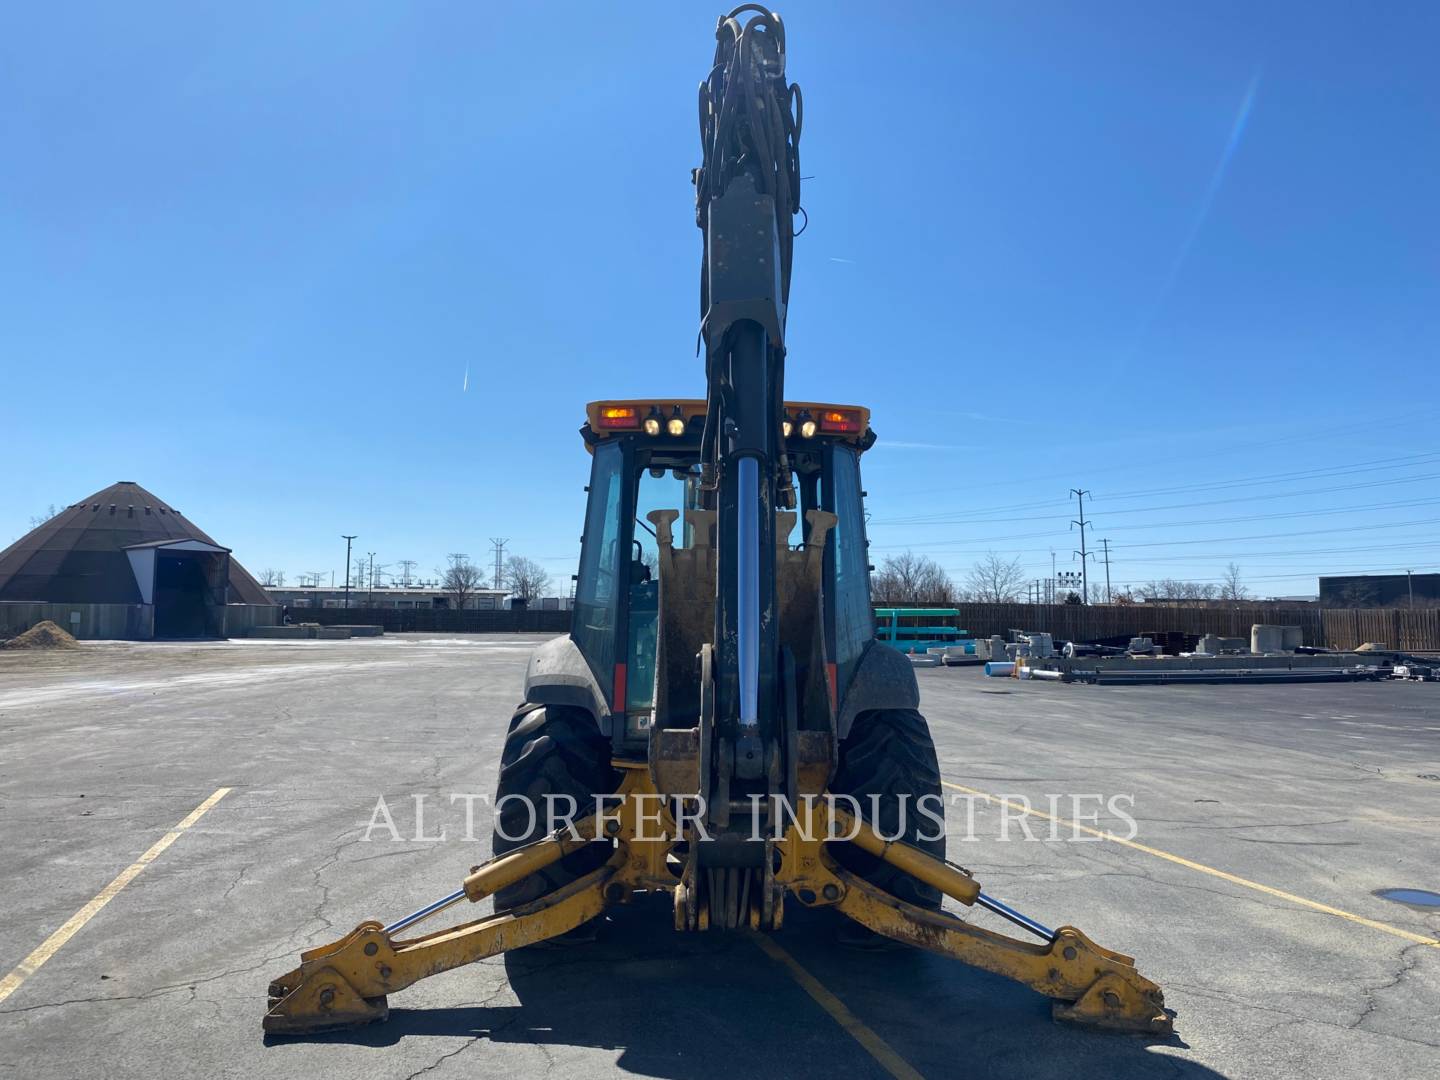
(43, 635)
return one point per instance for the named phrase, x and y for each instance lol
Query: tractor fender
(559, 674)
(883, 679)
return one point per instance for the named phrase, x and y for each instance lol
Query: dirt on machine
(721, 723)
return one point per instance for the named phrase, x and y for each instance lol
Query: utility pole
(1080, 494)
(499, 558)
(1410, 584)
(1050, 592)
(347, 540)
(370, 600)
(1107, 569)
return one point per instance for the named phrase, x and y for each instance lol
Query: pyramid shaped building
(124, 564)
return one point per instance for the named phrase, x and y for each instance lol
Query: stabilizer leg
(1089, 985)
(345, 984)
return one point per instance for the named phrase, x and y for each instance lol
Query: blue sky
(251, 250)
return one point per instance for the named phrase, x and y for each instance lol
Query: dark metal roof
(78, 556)
(175, 540)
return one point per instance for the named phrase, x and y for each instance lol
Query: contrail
(1237, 131)
(465, 386)
(1202, 212)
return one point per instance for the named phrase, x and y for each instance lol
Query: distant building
(124, 564)
(385, 596)
(1380, 590)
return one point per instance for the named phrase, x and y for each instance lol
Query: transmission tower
(499, 545)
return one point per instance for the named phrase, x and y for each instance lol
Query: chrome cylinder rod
(1040, 930)
(747, 582)
(425, 912)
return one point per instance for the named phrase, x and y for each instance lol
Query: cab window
(854, 618)
(658, 489)
(597, 593)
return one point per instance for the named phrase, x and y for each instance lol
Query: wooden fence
(1399, 628)
(1338, 628)
(433, 620)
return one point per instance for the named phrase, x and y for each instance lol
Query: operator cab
(646, 458)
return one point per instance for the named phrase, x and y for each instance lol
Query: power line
(1291, 554)
(1323, 432)
(1374, 465)
(1080, 494)
(1346, 572)
(1298, 552)
(969, 519)
(1183, 524)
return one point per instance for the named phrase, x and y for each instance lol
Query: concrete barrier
(301, 632)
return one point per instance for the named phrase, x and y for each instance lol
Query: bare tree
(1231, 587)
(39, 519)
(407, 568)
(525, 578)
(1174, 591)
(995, 580)
(460, 578)
(912, 579)
(271, 578)
(1357, 595)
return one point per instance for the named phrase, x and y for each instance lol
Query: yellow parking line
(877, 1047)
(51, 945)
(1190, 864)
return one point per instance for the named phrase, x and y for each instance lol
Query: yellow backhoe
(720, 724)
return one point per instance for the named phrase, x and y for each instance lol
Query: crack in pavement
(1407, 965)
(1291, 1018)
(468, 1043)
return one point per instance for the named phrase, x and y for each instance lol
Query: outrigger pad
(320, 1001)
(1112, 1002)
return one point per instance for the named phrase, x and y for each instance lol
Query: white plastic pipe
(1042, 673)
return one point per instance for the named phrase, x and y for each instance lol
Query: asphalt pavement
(1267, 821)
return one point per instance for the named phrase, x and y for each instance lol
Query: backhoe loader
(720, 717)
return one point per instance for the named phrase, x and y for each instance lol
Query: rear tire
(889, 753)
(557, 751)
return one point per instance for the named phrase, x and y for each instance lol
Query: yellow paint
(1190, 864)
(51, 945)
(877, 1047)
